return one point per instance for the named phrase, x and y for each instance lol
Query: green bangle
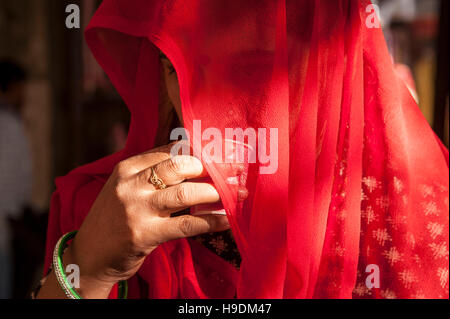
(61, 276)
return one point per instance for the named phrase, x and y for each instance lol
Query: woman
(357, 205)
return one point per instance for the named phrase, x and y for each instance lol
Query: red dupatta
(361, 178)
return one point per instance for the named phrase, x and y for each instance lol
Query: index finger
(155, 156)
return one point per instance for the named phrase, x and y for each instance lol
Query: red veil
(361, 186)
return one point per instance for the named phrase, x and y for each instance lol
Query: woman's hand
(130, 218)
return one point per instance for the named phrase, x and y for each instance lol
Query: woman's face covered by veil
(309, 82)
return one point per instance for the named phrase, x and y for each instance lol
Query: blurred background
(71, 115)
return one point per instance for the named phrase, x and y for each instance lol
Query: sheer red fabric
(360, 180)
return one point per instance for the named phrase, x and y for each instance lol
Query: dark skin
(131, 217)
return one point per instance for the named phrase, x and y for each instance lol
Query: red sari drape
(361, 178)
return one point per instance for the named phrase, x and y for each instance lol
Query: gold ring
(156, 181)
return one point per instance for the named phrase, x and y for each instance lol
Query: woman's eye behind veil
(168, 66)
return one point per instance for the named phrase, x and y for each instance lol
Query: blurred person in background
(15, 163)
